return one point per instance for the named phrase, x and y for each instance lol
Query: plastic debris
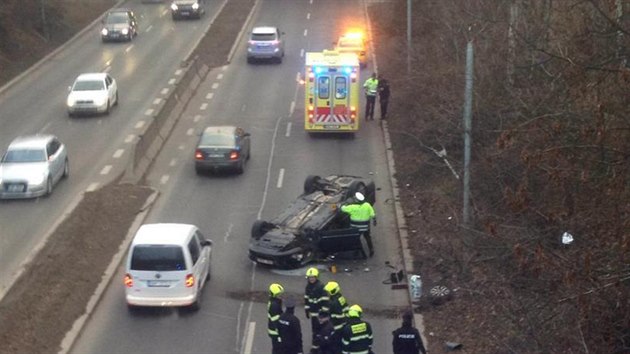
(567, 238)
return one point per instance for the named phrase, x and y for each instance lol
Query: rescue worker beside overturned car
(337, 305)
(361, 213)
(274, 310)
(356, 335)
(314, 298)
(289, 330)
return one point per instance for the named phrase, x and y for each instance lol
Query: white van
(167, 265)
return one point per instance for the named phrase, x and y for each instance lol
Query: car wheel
(133, 310)
(356, 186)
(49, 186)
(249, 60)
(259, 228)
(311, 184)
(241, 167)
(249, 153)
(209, 275)
(66, 169)
(116, 103)
(198, 170)
(197, 304)
(70, 114)
(108, 108)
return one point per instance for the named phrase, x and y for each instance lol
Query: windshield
(85, 85)
(263, 36)
(217, 140)
(117, 17)
(157, 258)
(25, 155)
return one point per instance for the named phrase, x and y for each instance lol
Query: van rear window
(157, 258)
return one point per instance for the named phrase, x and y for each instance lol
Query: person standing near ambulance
(371, 90)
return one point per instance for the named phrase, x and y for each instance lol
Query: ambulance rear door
(332, 98)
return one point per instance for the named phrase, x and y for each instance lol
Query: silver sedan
(31, 166)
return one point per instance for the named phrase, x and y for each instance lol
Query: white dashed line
(139, 125)
(228, 233)
(310, 1)
(173, 162)
(92, 187)
(308, 16)
(203, 106)
(129, 138)
(220, 76)
(178, 72)
(210, 95)
(196, 118)
(157, 101)
(106, 169)
(148, 29)
(118, 153)
(215, 85)
(171, 81)
(149, 112)
(164, 91)
(301, 53)
(292, 108)
(288, 133)
(128, 49)
(45, 127)
(280, 178)
(190, 131)
(181, 147)
(224, 68)
(164, 179)
(249, 339)
(108, 67)
(297, 77)
(305, 32)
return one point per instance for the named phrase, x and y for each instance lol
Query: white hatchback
(92, 93)
(167, 266)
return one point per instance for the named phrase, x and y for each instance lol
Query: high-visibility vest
(360, 213)
(371, 86)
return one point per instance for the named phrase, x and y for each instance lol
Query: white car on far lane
(92, 93)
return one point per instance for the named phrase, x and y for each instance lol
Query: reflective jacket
(326, 340)
(407, 340)
(290, 333)
(274, 310)
(359, 212)
(371, 86)
(338, 306)
(356, 337)
(314, 298)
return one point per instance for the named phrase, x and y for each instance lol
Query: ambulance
(331, 92)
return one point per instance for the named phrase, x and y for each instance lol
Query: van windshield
(157, 258)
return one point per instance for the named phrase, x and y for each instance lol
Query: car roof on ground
(91, 76)
(264, 30)
(31, 141)
(163, 234)
(220, 130)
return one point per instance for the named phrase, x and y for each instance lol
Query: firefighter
(289, 329)
(356, 336)
(337, 305)
(326, 340)
(371, 89)
(361, 212)
(274, 310)
(407, 339)
(314, 298)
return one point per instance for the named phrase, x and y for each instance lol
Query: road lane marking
(164, 91)
(106, 169)
(164, 179)
(139, 125)
(308, 16)
(269, 164)
(181, 147)
(92, 187)
(178, 72)
(250, 338)
(301, 52)
(118, 153)
(203, 106)
(305, 32)
(292, 108)
(129, 138)
(190, 132)
(157, 101)
(197, 118)
(224, 68)
(228, 233)
(128, 49)
(210, 95)
(149, 112)
(220, 76)
(148, 29)
(288, 133)
(310, 1)
(280, 178)
(215, 85)
(45, 127)
(297, 77)
(171, 81)
(173, 162)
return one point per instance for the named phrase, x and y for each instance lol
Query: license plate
(16, 188)
(158, 284)
(215, 155)
(331, 126)
(185, 13)
(264, 261)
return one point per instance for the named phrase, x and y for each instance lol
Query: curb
(72, 335)
(398, 210)
(240, 34)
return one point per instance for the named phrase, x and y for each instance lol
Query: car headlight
(104, 31)
(125, 31)
(297, 256)
(275, 50)
(99, 101)
(37, 180)
(70, 102)
(195, 6)
(174, 7)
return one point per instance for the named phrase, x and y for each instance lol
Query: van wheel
(209, 275)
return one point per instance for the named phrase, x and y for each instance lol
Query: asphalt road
(97, 146)
(267, 101)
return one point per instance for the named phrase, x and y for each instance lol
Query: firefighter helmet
(359, 196)
(355, 311)
(312, 272)
(332, 287)
(275, 289)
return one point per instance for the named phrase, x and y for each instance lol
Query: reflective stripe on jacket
(315, 297)
(274, 310)
(338, 308)
(356, 337)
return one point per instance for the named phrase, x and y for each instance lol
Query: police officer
(356, 335)
(407, 339)
(371, 89)
(337, 305)
(383, 95)
(361, 212)
(289, 329)
(274, 310)
(326, 340)
(314, 298)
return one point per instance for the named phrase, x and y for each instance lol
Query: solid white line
(157, 101)
(108, 67)
(268, 177)
(288, 133)
(250, 338)
(305, 32)
(215, 85)
(164, 91)
(210, 95)
(118, 153)
(196, 118)
(190, 132)
(173, 162)
(280, 178)
(171, 81)
(291, 109)
(178, 72)
(92, 187)
(203, 106)
(106, 169)
(128, 49)
(164, 179)
(220, 76)
(140, 124)
(301, 52)
(308, 16)
(149, 112)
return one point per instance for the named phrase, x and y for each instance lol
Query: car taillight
(353, 113)
(252, 42)
(198, 155)
(190, 280)
(233, 155)
(128, 280)
(276, 42)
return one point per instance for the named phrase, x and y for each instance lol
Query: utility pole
(408, 37)
(42, 9)
(467, 129)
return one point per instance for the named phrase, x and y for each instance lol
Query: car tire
(133, 310)
(241, 167)
(198, 170)
(116, 103)
(49, 186)
(249, 153)
(249, 60)
(70, 114)
(108, 108)
(311, 184)
(356, 186)
(259, 228)
(66, 169)
(196, 306)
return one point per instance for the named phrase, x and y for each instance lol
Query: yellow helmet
(312, 272)
(275, 289)
(332, 287)
(355, 311)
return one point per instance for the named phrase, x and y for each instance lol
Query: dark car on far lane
(186, 9)
(119, 25)
(222, 147)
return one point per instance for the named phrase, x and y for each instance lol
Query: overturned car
(313, 226)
